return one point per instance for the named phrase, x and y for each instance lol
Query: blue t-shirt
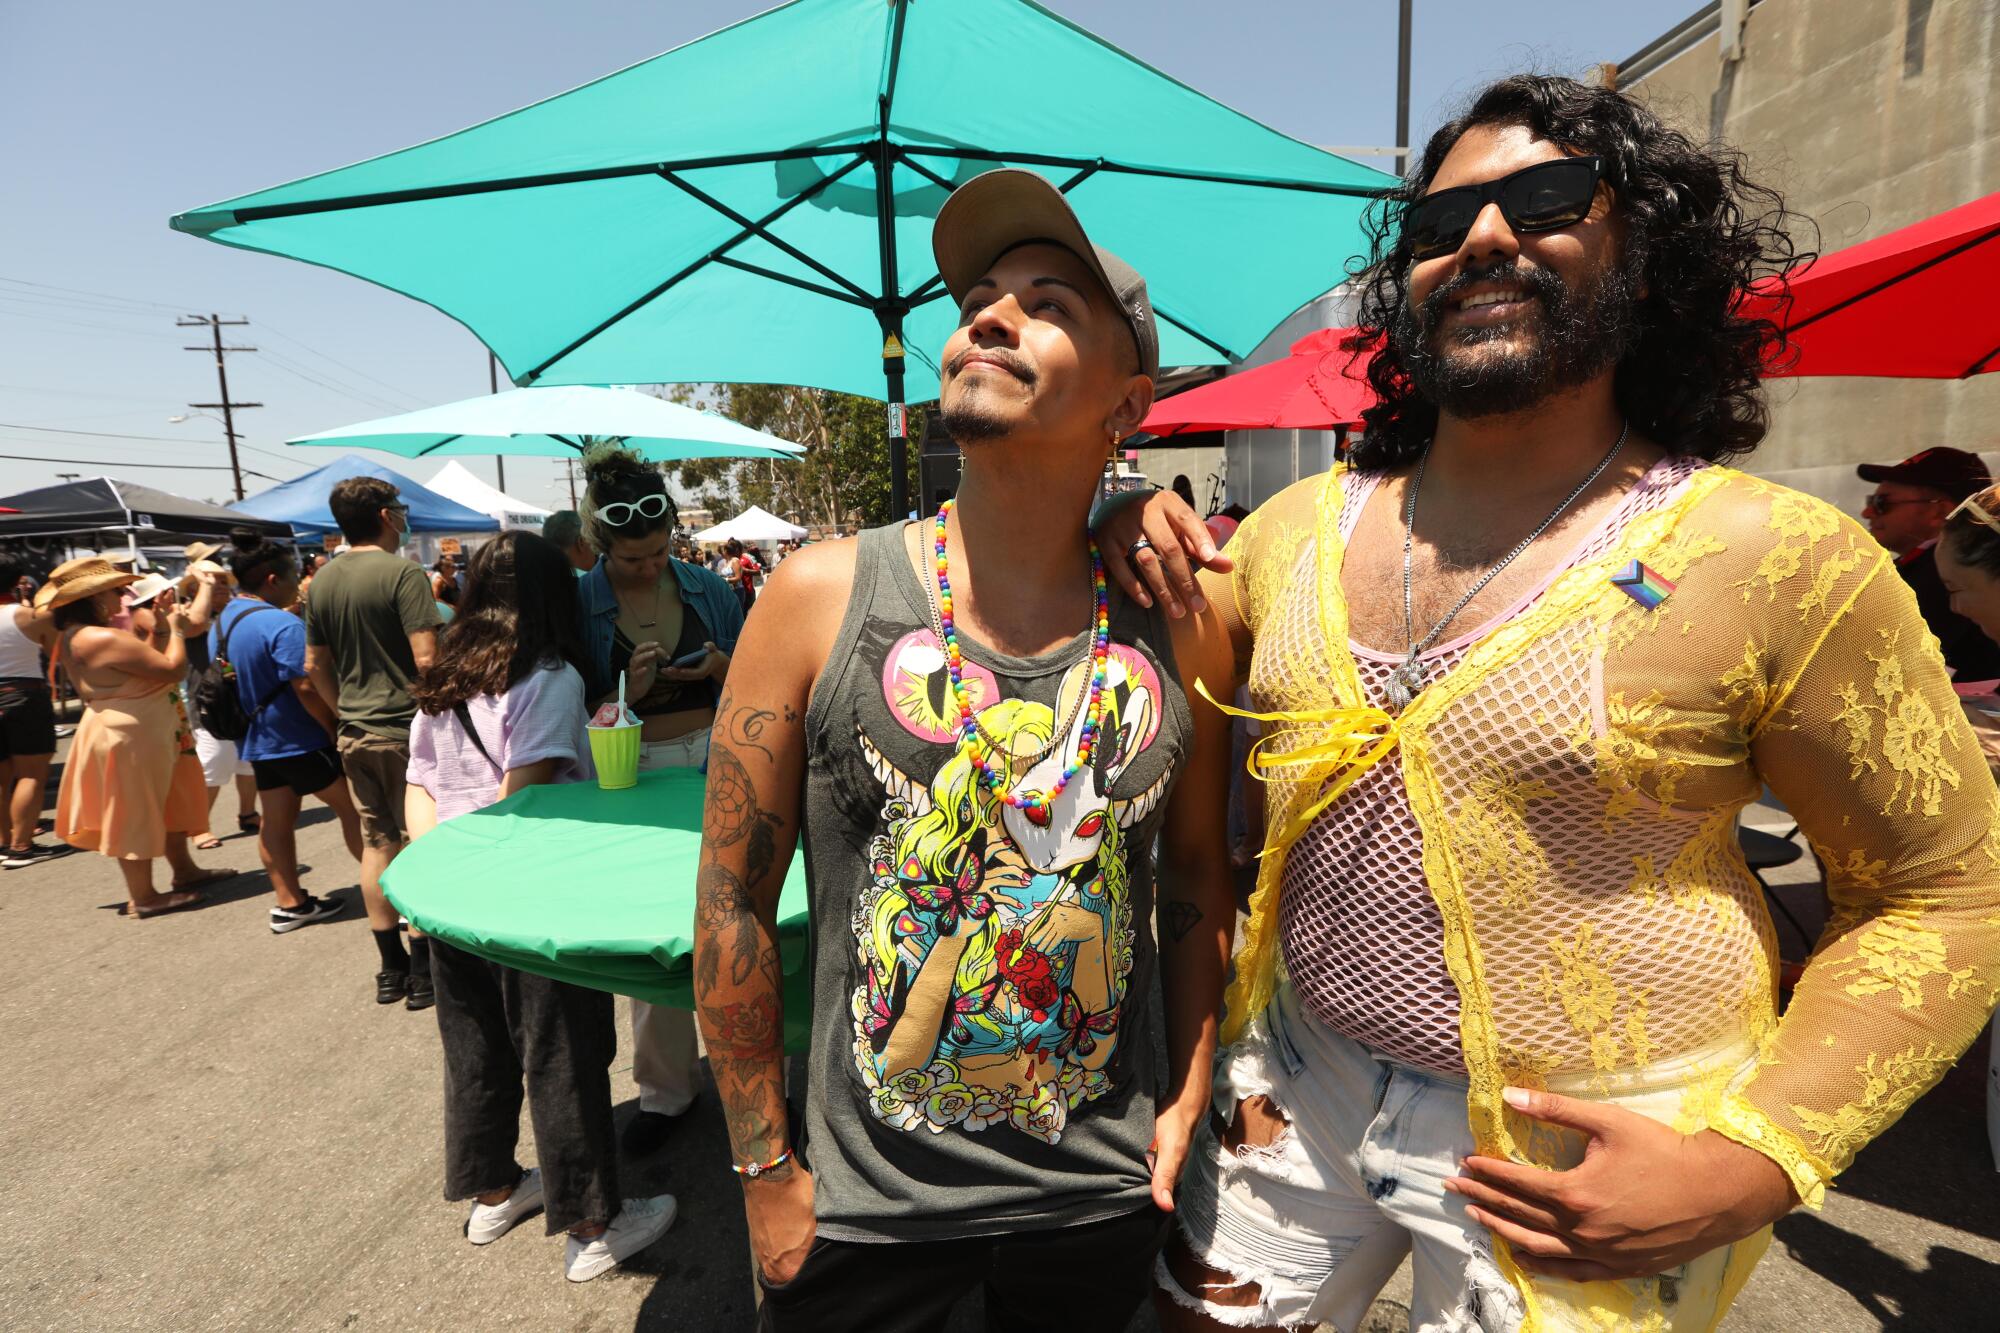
(268, 650)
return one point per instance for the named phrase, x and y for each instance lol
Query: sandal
(179, 900)
(205, 877)
(247, 823)
(208, 844)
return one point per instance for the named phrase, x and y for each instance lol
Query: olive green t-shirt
(362, 608)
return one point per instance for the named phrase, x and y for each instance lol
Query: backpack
(218, 704)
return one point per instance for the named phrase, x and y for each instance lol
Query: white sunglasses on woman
(620, 512)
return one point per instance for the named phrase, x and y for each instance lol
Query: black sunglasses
(1543, 197)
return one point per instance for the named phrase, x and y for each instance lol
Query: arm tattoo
(738, 966)
(746, 728)
(732, 812)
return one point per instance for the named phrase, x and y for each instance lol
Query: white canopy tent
(753, 526)
(455, 481)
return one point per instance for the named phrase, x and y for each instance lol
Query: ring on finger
(1143, 544)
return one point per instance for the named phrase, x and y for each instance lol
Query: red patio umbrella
(1917, 302)
(1319, 386)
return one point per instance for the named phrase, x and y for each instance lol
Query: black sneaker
(391, 986)
(34, 854)
(647, 1133)
(285, 919)
(422, 996)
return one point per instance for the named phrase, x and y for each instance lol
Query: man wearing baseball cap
(980, 745)
(1906, 512)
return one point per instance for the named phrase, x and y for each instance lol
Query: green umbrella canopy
(712, 214)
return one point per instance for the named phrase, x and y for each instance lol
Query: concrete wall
(1868, 115)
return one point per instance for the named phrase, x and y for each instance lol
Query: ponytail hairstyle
(254, 561)
(1973, 532)
(517, 613)
(617, 475)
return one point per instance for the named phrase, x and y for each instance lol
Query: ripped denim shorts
(1319, 1218)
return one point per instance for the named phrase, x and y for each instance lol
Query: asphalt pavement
(210, 1127)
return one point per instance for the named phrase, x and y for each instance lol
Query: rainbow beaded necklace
(979, 747)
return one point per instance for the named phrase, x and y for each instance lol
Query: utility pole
(214, 324)
(493, 381)
(1403, 86)
(569, 470)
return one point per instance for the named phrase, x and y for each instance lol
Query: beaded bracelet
(756, 1169)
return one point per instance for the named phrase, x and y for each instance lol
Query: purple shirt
(542, 717)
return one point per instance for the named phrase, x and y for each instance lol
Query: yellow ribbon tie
(1351, 741)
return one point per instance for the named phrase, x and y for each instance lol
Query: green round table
(587, 886)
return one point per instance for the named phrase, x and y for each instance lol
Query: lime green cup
(615, 751)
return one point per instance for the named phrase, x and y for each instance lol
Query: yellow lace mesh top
(1576, 779)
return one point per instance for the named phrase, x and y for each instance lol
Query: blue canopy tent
(302, 501)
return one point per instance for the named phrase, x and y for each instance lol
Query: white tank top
(19, 654)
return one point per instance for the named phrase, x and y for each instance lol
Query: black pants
(499, 1025)
(1088, 1278)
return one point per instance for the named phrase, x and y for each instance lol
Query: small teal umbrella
(556, 423)
(756, 206)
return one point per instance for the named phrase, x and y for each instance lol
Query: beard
(971, 416)
(969, 421)
(1567, 338)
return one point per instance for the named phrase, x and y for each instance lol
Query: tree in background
(842, 478)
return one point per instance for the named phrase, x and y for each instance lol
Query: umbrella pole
(899, 431)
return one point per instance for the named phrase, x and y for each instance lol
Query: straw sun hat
(189, 583)
(86, 576)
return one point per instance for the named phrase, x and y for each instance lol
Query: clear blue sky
(115, 114)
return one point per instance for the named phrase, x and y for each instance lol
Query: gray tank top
(986, 1034)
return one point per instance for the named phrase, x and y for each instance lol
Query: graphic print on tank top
(996, 948)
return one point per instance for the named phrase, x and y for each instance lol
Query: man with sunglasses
(371, 626)
(1506, 1000)
(1906, 513)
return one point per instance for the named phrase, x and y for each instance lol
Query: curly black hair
(1699, 232)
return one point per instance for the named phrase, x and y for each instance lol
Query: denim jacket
(712, 599)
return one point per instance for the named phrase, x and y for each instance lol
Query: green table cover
(587, 886)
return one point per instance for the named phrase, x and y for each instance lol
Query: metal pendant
(1404, 684)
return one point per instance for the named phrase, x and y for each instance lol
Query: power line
(280, 361)
(101, 434)
(121, 435)
(267, 328)
(41, 318)
(136, 307)
(87, 306)
(78, 291)
(98, 462)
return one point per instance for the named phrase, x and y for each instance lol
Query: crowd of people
(1504, 998)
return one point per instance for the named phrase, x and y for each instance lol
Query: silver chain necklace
(1408, 679)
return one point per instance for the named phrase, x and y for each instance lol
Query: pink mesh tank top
(1361, 935)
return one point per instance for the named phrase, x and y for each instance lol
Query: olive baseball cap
(998, 210)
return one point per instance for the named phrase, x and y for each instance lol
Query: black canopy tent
(86, 512)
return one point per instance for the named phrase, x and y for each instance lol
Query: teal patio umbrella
(557, 422)
(756, 206)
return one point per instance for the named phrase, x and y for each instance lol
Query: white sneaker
(490, 1221)
(638, 1224)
